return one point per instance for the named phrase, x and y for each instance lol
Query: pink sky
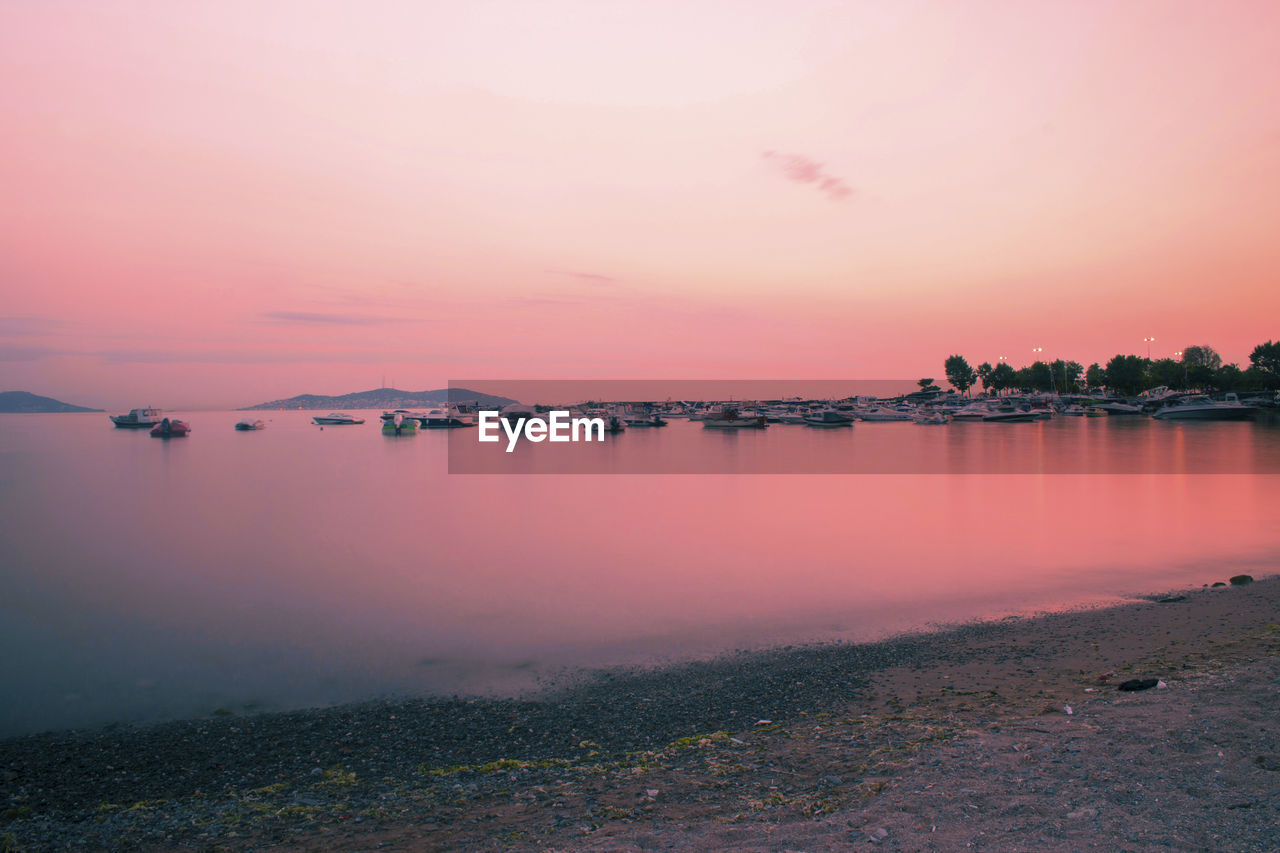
(214, 204)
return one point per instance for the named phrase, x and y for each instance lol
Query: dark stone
(1139, 684)
(1241, 580)
(1219, 583)
(1268, 762)
(1171, 599)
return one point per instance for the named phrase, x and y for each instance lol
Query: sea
(144, 580)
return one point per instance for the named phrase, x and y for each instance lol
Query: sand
(949, 741)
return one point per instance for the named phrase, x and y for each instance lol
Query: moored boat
(730, 417)
(400, 425)
(828, 418)
(249, 424)
(170, 428)
(336, 419)
(138, 418)
(1201, 408)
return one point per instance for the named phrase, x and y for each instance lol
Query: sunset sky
(219, 203)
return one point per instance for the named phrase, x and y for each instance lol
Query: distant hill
(383, 398)
(28, 403)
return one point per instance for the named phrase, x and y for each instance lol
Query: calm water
(144, 579)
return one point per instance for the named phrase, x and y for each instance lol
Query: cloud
(592, 277)
(316, 318)
(14, 327)
(802, 170)
(19, 353)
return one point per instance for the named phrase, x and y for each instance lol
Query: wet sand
(952, 740)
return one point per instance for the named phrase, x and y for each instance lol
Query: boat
(645, 419)
(730, 417)
(884, 413)
(400, 425)
(1118, 408)
(828, 418)
(931, 418)
(975, 411)
(1010, 415)
(138, 418)
(1200, 408)
(336, 419)
(614, 422)
(517, 413)
(1075, 410)
(249, 424)
(444, 418)
(170, 428)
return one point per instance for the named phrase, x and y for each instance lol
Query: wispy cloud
(592, 277)
(315, 318)
(14, 327)
(802, 170)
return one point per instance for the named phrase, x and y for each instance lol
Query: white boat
(249, 424)
(1075, 410)
(138, 418)
(517, 413)
(1010, 415)
(444, 418)
(336, 419)
(644, 419)
(884, 413)
(931, 418)
(975, 411)
(828, 418)
(1118, 408)
(1201, 408)
(730, 417)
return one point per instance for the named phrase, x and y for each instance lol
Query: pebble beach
(1001, 735)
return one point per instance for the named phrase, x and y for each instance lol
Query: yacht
(975, 411)
(249, 424)
(884, 413)
(1200, 408)
(336, 419)
(1115, 407)
(517, 413)
(138, 418)
(1010, 415)
(730, 417)
(934, 417)
(645, 419)
(444, 418)
(828, 418)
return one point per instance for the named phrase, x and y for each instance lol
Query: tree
(984, 374)
(959, 373)
(1003, 377)
(927, 384)
(1203, 356)
(1068, 374)
(1095, 376)
(1228, 377)
(1126, 373)
(1166, 371)
(1265, 359)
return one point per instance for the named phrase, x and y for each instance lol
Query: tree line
(1200, 368)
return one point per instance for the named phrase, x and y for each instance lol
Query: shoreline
(725, 743)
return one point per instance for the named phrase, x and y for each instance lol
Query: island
(26, 403)
(383, 398)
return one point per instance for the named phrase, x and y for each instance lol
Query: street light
(1148, 341)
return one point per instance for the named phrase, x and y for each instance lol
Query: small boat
(400, 425)
(883, 413)
(444, 418)
(517, 413)
(1201, 408)
(1116, 408)
(249, 424)
(928, 418)
(1074, 411)
(729, 417)
(336, 419)
(828, 418)
(644, 419)
(614, 422)
(170, 428)
(976, 411)
(1010, 415)
(138, 418)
